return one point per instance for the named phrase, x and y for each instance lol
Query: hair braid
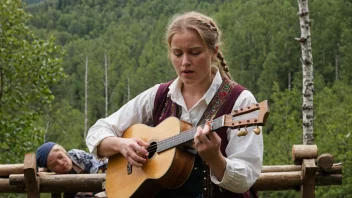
(225, 68)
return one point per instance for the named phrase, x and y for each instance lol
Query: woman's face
(191, 58)
(59, 162)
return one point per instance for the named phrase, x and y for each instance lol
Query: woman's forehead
(188, 39)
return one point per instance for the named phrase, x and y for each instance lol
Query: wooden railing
(308, 171)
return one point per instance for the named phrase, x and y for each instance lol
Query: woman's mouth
(187, 71)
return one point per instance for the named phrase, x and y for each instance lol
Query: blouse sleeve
(138, 110)
(244, 154)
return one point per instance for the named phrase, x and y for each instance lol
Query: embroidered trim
(217, 101)
(212, 109)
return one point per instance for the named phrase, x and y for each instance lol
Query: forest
(46, 46)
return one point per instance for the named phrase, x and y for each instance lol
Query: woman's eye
(177, 54)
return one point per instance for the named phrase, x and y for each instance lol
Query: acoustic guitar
(168, 165)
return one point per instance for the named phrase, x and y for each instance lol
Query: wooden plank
(30, 175)
(309, 170)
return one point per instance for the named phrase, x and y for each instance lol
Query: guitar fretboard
(185, 136)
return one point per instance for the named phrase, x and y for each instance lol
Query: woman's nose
(185, 61)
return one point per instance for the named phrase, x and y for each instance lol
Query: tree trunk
(337, 62)
(307, 67)
(128, 90)
(86, 100)
(106, 86)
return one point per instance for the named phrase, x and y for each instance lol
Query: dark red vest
(199, 183)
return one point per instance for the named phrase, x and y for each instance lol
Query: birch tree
(106, 85)
(86, 99)
(307, 68)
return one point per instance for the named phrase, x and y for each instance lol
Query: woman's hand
(208, 144)
(134, 149)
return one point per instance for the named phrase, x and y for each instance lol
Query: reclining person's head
(53, 157)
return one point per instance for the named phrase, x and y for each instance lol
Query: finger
(142, 143)
(198, 132)
(138, 157)
(206, 128)
(197, 141)
(134, 162)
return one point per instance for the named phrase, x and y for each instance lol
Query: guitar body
(167, 169)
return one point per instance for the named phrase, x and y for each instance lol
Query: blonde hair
(57, 148)
(206, 29)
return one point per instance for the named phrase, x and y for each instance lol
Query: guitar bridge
(129, 168)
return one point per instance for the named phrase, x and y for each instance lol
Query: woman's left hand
(207, 144)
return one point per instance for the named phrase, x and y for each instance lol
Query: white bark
(337, 62)
(106, 86)
(307, 67)
(86, 100)
(128, 90)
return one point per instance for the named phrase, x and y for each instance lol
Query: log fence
(309, 170)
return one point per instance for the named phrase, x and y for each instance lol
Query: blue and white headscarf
(86, 161)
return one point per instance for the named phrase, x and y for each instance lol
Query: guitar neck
(187, 135)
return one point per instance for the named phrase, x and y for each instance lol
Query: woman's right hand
(134, 149)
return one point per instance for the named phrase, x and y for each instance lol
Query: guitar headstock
(257, 120)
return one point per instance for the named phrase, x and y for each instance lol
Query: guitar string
(188, 135)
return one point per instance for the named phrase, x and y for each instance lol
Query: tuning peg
(256, 130)
(242, 133)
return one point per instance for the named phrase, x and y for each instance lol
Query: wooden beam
(269, 181)
(30, 175)
(278, 181)
(335, 168)
(308, 178)
(65, 183)
(5, 187)
(281, 168)
(300, 152)
(8, 169)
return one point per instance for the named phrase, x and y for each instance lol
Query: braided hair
(206, 29)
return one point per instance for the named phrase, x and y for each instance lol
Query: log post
(300, 152)
(30, 175)
(308, 178)
(325, 162)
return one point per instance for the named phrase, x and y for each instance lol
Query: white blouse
(244, 154)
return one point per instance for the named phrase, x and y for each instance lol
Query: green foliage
(28, 66)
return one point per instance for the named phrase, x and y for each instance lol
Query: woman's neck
(192, 93)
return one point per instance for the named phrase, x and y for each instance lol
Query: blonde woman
(225, 165)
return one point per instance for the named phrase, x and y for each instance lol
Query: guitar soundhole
(152, 149)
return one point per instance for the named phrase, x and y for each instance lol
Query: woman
(233, 163)
(55, 158)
